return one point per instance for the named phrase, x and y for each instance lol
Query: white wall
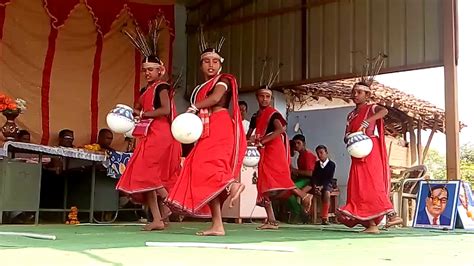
(326, 127)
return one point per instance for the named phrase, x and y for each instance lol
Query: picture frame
(436, 204)
(465, 206)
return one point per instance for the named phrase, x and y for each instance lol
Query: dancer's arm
(164, 108)
(279, 129)
(379, 113)
(216, 95)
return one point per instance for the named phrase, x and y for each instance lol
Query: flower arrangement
(10, 106)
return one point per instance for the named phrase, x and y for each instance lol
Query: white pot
(359, 145)
(120, 119)
(187, 128)
(128, 134)
(252, 157)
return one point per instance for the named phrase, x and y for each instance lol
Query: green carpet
(124, 245)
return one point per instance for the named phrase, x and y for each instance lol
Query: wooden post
(428, 143)
(404, 131)
(418, 141)
(411, 129)
(450, 89)
(304, 39)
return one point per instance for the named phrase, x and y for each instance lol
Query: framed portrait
(436, 205)
(465, 206)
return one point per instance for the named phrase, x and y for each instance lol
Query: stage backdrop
(69, 60)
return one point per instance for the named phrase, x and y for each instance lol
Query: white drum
(187, 128)
(359, 145)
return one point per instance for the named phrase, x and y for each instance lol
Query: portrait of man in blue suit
(435, 205)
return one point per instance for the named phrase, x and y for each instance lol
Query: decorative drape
(69, 60)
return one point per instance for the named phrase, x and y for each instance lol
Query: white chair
(407, 191)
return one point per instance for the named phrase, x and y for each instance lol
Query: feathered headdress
(371, 69)
(265, 86)
(147, 45)
(210, 50)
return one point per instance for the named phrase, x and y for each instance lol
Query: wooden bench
(334, 204)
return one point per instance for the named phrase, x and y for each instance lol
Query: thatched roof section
(401, 106)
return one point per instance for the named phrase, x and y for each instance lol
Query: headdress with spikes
(370, 70)
(208, 50)
(265, 86)
(147, 45)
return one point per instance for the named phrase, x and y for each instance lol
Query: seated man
(23, 136)
(104, 140)
(243, 113)
(321, 180)
(301, 175)
(294, 158)
(66, 138)
(53, 179)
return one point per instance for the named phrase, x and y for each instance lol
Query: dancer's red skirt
(367, 190)
(207, 170)
(273, 170)
(154, 164)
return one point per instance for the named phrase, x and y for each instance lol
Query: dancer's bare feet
(235, 190)
(154, 226)
(213, 231)
(166, 215)
(373, 229)
(268, 226)
(392, 221)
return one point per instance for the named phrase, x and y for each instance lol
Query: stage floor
(315, 245)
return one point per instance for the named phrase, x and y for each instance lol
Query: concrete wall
(326, 127)
(180, 55)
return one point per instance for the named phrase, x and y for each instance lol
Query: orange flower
(2, 97)
(2, 107)
(9, 100)
(12, 106)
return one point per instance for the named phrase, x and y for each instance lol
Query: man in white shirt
(243, 112)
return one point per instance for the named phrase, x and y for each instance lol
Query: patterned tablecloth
(61, 151)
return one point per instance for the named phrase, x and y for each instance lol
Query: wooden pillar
(411, 130)
(418, 141)
(450, 88)
(428, 143)
(304, 39)
(404, 131)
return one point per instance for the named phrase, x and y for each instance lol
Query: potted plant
(11, 109)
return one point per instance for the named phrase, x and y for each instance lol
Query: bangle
(365, 124)
(141, 114)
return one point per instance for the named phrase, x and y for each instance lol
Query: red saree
(367, 189)
(156, 158)
(274, 165)
(215, 161)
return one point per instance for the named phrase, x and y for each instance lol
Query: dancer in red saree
(274, 177)
(369, 178)
(155, 160)
(211, 170)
